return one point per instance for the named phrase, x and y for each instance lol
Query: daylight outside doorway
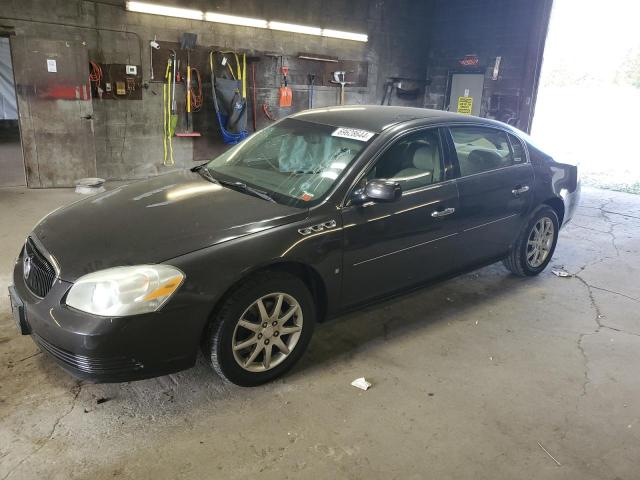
(588, 106)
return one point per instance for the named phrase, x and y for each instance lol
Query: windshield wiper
(246, 188)
(204, 171)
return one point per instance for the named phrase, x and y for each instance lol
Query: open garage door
(589, 94)
(54, 101)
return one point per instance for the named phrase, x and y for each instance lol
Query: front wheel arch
(309, 275)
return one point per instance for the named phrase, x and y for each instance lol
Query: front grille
(107, 366)
(38, 272)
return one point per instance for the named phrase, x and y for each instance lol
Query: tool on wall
(339, 77)
(388, 92)
(312, 81)
(170, 119)
(285, 93)
(229, 97)
(153, 45)
(404, 87)
(193, 102)
(95, 76)
(267, 112)
(254, 97)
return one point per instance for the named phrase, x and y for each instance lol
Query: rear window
(481, 149)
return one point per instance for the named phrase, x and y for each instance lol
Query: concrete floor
(11, 161)
(469, 379)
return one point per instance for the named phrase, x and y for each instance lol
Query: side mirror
(378, 191)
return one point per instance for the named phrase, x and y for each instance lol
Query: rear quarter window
(519, 153)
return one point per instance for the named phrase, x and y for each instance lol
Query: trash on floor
(89, 186)
(561, 273)
(550, 456)
(361, 383)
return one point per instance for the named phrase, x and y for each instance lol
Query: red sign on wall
(469, 60)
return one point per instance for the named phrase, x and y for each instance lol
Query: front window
(414, 161)
(295, 161)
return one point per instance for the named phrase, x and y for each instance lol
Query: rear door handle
(442, 213)
(520, 189)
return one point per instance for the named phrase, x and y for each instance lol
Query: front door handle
(520, 189)
(442, 213)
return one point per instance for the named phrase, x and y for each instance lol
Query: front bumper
(105, 349)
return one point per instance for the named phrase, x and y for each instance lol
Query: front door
(495, 185)
(54, 101)
(388, 246)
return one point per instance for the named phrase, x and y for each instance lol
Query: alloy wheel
(267, 332)
(540, 242)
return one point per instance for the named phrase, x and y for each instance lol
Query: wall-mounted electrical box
(111, 81)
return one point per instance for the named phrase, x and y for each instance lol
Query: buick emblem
(26, 266)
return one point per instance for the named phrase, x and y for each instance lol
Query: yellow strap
(166, 109)
(244, 75)
(164, 123)
(166, 87)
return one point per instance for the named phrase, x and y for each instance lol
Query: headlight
(121, 291)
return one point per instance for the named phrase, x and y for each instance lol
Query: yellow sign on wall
(465, 105)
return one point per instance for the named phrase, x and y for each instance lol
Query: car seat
(426, 167)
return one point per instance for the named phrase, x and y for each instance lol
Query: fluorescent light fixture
(358, 37)
(292, 27)
(233, 20)
(155, 9)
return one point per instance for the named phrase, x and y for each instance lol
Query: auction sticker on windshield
(353, 134)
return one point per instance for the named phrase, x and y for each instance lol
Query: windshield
(295, 161)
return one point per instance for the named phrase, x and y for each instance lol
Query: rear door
(388, 246)
(54, 101)
(494, 183)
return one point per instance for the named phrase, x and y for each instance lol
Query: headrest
(424, 158)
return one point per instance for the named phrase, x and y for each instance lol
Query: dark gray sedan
(322, 211)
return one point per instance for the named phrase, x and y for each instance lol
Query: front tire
(262, 329)
(534, 247)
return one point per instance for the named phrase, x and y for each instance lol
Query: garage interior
(482, 376)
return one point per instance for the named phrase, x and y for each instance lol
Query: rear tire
(261, 330)
(534, 247)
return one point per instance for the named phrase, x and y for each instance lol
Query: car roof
(376, 118)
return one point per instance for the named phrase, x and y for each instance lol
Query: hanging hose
(197, 99)
(267, 113)
(96, 73)
(95, 76)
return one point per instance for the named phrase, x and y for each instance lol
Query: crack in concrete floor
(75, 391)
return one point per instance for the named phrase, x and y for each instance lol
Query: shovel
(286, 96)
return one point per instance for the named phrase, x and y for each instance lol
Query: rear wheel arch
(558, 206)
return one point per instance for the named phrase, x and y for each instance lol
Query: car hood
(152, 221)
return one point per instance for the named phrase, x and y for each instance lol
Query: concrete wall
(407, 38)
(128, 139)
